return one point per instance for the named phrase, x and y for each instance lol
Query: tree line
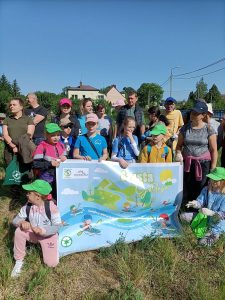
(149, 94)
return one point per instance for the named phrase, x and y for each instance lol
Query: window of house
(76, 97)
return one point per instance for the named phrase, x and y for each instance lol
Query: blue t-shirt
(122, 147)
(82, 120)
(85, 148)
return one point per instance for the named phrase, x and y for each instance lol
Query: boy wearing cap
(91, 146)
(67, 139)
(158, 151)
(175, 118)
(34, 225)
(211, 202)
(48, 155)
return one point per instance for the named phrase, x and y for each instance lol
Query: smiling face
(88, 108)
(170, 106)
(132, 99)
(15, 107)
(129, 127)
(65, 108)
(53, 138)
(91, 127)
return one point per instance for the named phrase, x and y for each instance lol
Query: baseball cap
(2, 115)
(200, 107)
(158, 129)
(170, 99)
(40, 186)
(91, 118)
(119, 102)
(65, 101)
(52, 127)
(217, 174)
(210, 110)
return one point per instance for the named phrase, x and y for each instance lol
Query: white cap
(210, 110)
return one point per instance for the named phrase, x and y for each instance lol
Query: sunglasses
(67, 126)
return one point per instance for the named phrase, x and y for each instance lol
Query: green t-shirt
(17, 127)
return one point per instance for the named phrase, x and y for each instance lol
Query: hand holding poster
(100, 203)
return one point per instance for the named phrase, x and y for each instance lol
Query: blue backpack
(166, 150)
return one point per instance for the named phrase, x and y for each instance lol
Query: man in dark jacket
(131, 109)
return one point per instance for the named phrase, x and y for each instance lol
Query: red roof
(82, 87)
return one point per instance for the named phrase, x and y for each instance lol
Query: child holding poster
(125, 148)
(157, 151)
(37, 222)
(211, 203)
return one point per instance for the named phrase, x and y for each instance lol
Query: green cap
(217, 174)
(52, 127)
(158, 129)
(40, 186)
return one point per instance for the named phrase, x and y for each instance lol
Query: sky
(49, 44)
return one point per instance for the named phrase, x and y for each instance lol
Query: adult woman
(104, 125)
(197, 146)
(14, 126)
(65, 116)
(85, 108)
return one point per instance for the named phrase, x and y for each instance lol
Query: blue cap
(200, 107)
(170, 99)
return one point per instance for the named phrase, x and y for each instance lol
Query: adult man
(131, 109)
(39, 114)
(176, 121)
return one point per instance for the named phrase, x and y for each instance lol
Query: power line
(165, 82)
(212, 64)
(202, 74)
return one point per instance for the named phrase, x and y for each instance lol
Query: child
(157, 152)
(48, 155)
(91, 145)
(37, 221)
(125, 148)
(211, 203)
(67, 139)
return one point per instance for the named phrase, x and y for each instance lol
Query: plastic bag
(15, 174)
(199, 225)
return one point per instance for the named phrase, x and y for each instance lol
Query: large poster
(100, 203)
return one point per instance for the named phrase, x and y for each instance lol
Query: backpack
(47, 210)
(166, 150)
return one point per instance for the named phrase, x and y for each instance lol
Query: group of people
(93, 136)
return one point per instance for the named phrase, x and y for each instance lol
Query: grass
(150, 269)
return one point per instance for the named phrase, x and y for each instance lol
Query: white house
(84, 91)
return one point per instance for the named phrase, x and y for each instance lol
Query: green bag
(199, 225)
(16, 174)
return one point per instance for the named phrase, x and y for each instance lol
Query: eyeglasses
(67, 126)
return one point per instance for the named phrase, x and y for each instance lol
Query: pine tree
(15, 89)
(5, 84)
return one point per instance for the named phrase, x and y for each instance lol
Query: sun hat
(52, 127)
(158, 129)
(91, 118)
(119, 102)
(210, 110)
(40, 186)
(65, 101)
(170, 99)
(200, 107)
(217, 174)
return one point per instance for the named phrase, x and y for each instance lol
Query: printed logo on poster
(75, 173)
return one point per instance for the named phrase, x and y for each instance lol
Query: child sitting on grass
(37, 222)
(125, 148)
(157, 151)
(211, 203)
(91, 146)
(48, 155)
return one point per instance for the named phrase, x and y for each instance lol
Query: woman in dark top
(65, 116)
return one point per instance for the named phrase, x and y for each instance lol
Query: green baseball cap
(40, 186)
(52, 127)
(217, 174)
(158, 129)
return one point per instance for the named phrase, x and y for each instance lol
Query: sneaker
(208, 240)
(17, 268)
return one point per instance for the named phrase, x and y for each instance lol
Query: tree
(4, 99)
(15, 89)
(191, 100)
(48, 100)
(201, 89)
(105, 90)
(149, 94)
(5, 84)
(214, 96)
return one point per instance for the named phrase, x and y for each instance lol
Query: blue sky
(47, 45)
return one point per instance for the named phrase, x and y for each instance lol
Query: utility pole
(171, 78)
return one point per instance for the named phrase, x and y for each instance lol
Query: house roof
(82, 87)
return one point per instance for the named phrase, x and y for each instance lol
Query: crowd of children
(39, 219)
